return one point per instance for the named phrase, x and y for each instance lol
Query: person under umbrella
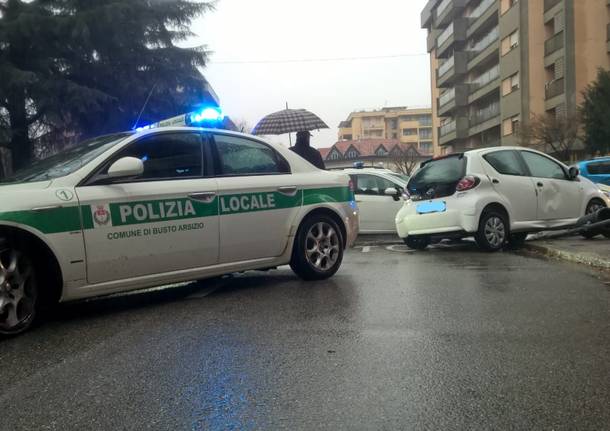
(294, 120)
(305, 150)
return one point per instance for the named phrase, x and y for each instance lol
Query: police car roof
(193, 129)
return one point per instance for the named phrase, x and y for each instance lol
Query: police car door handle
(288, 190)
(48, 208)
(202, 196)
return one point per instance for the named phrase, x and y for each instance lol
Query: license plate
(431, 207)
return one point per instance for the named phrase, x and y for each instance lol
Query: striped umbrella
(287, 121)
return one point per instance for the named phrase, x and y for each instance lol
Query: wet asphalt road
(444, 339)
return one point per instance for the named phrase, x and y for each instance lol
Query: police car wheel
(18, 290)
(318, 249)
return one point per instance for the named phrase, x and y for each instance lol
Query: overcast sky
(268, 31)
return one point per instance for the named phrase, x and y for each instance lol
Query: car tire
(18, 290)
(517, 240)
(493, 232)
(417, 242)
(593, 206)
(318, 248)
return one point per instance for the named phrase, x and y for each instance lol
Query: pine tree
(595, 112)
(86, 68)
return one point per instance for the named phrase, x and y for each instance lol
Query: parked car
(498, 195)
(597, 170)
(161, 206)
(378, 195)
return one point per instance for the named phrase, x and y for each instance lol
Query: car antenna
(144, 106)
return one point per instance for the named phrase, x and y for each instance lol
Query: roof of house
(324, 152)
(365, 147)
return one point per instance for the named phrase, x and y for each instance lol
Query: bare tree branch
(558, 134)
(405, 159)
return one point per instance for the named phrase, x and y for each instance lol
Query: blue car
(597, 170)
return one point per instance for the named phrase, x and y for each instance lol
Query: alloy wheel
(322, 246)
(17, 291)
(495, 232)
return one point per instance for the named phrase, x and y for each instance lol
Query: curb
(591, 260)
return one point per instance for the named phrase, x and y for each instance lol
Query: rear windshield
(438, 178)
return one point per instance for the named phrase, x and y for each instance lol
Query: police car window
(386, 184)
(168, 155)
(239, 156)
(371, 185)
(543, 167)
(505, 162)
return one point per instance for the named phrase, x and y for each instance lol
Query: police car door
(258, 198)
(164, 220)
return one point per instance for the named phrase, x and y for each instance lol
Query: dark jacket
(310, 154)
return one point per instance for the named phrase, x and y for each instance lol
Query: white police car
(378, 196)
(165, 205)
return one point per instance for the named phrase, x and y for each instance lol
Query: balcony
(485, 118)
(484, 84)
(554, 88)
(452, 69)
(553, 44)
(452, 99)
(447, 10)
(549, 4)
(483, 16)
(447, 128)
(456, 129)
(446, 66)
(426, 14)
(455, 32)
(485, 113)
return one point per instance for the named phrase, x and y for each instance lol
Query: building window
(425, 147)
(409, 132)
(510, 84)
(381, 152)
(510, 42)
(425, 120)
(352, 154)
(510, 125)
(394, 135)
(505, 5)
(392, 123)
(346, 137)
(425, 134)
(334, 155)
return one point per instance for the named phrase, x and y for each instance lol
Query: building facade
(379, 153)
(496, 63)
(407, 126)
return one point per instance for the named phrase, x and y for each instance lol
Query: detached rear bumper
(409, 222)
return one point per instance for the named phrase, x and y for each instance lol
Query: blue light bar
(207, 115)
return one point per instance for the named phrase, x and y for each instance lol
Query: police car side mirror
(126, 167)
(573, 173)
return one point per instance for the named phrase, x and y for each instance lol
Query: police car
(378, 196)
(164, 205)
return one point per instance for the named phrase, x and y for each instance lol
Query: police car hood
(20, 195)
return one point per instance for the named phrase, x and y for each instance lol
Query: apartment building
(407, 126)
(495, 63)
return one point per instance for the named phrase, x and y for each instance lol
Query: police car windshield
(66, 162)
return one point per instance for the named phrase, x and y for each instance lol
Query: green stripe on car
(70, 219)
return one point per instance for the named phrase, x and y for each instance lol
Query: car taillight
(467, 183)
